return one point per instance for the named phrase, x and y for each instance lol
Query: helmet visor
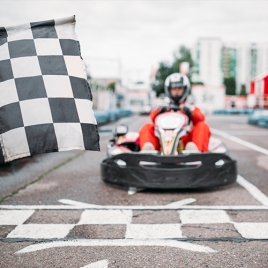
(176, 84)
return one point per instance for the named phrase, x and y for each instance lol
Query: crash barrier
(259, 118)
(111, 115)
(233, 111)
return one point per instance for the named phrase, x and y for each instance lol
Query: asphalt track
(56, 212)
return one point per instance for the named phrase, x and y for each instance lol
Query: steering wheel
(173, 107)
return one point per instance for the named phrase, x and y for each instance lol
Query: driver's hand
(163, 109)
(187, 111)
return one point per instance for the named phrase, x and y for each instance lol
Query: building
(207, 57)
(216, 60)
(243, 66)
(104, 98)
(259, 89)
(137, 95)
(228, 63)
(252, 60)
(262, 58)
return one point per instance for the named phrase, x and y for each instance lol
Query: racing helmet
(176, 80)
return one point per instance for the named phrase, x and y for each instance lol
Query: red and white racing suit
(199, 134)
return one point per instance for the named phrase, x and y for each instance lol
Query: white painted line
(14, 217)
(183, 202)
(252, 230)
(117, 243)
(98, 264)
(240, 141)
(77, 203)
(128, 214)
(44, 207)
(204, 216)
(62, 207)
(149, 231)
(36, 231)
(253, 190)
(105, 217)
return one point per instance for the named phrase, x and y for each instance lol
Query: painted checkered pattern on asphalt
(46, 101)
(21, 225)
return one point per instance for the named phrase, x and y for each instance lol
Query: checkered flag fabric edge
(46, 101)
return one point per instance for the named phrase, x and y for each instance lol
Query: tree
(182, 55)
(230, 85)
(111, 86)
(243, 91)
(163, 72)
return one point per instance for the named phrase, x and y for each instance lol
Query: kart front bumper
(194, 171)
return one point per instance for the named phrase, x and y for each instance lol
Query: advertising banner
(209, 98)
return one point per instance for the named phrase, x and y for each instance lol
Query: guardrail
(112, 115)
(233, 111)
(257, 117)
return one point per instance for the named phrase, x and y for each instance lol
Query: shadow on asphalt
(184, 191)
(13, 166)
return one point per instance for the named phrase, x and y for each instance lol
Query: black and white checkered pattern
(128, 224)
(45, 99)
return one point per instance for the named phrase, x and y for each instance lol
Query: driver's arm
(197, 115)
(154, 113)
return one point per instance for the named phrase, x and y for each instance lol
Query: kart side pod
(191, 171)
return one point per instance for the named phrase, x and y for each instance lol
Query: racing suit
(199, 134)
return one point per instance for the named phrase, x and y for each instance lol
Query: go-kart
(171, 167)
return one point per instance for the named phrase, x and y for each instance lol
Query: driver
(177, 88)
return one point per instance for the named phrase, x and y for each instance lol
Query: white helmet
(174, 81)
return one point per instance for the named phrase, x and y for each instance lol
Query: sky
(128, 38)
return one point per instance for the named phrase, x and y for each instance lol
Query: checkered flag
(45, 99)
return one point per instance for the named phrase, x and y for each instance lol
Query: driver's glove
(162, 109)
(187, 111)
